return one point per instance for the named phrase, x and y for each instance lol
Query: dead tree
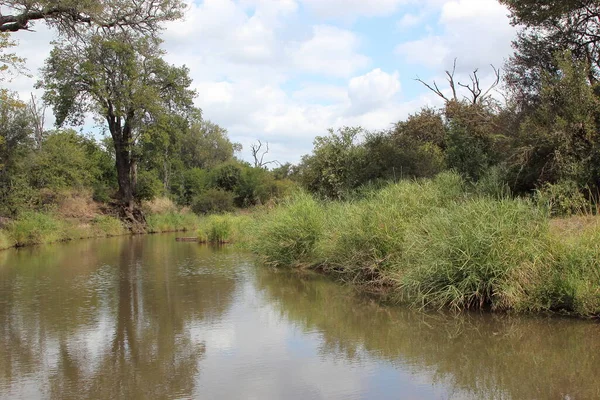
(476, 94)
(38, 114)
(258, 153)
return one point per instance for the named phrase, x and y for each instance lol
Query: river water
(152, 318)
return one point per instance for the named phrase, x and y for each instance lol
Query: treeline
(534, 130)
(199, 170)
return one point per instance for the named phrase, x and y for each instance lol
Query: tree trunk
(131, 213)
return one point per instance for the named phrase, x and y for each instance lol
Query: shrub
(213, 201)
(562, 199)
(573, 284)
(148, 186)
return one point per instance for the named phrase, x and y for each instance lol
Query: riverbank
(35, 228)
(436, 244)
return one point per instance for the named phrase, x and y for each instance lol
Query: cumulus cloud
(330, 51)
(372, 90)
(352, 8)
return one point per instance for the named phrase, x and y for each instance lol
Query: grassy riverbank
(35, 228)
(436, 244)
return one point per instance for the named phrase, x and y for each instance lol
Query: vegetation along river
(151, 318)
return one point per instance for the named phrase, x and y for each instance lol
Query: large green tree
(72, 16)
(548, 28)
(124, 82)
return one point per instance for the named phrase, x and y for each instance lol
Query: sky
(285, 71)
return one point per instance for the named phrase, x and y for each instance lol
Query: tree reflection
(128, 330)
(477, 356)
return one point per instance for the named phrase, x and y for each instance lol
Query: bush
(216, 229)
(148, 186)
(562, 199)
(213, 201)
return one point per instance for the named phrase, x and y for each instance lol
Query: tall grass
(5, 241)
(36, 228)
(227, 228)
(104, 225)
(289, 235)
(476, 254)
(172, 221)
(434, 244)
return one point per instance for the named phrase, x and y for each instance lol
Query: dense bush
(213, 201)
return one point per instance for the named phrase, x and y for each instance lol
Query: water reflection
(147, 317)
(473, 356)
(107, 319)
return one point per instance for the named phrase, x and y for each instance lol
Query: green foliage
(172, 221)
(36, 228)
(195, 181)
(217, 229)
(475, 255)
(562, 199)
(213, 201)
(333, 170)
(289, 235)
(148, 186)
(226, 176)
(104, 225)
(65, 160)
(206, 145)
(5, 241)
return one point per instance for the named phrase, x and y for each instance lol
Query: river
(151, 318)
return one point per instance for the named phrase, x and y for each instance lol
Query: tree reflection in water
(110, 319)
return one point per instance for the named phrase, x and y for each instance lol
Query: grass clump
(289, 235)
(227, 228)
(573, 284)
(5, 241)
(33, 228)
(104, 225)
(477, 254)
(172, 222)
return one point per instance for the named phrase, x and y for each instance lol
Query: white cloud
(371, 91)
(409, 21)
(352, 8)
(477, 32)
(330, 51)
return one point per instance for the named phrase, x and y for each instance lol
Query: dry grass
(160, 205)
(78, 205)
(572, 226)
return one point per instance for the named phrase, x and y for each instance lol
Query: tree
(206, 145)
(259, 153)
(71, 16)
(336, 165)
(124, 82)
(551, 27)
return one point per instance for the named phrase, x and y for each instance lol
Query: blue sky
(284, 71)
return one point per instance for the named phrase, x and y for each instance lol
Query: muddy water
(151, 318)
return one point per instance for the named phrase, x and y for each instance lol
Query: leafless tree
(476, 93)
(258, 153)
(38, 114)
